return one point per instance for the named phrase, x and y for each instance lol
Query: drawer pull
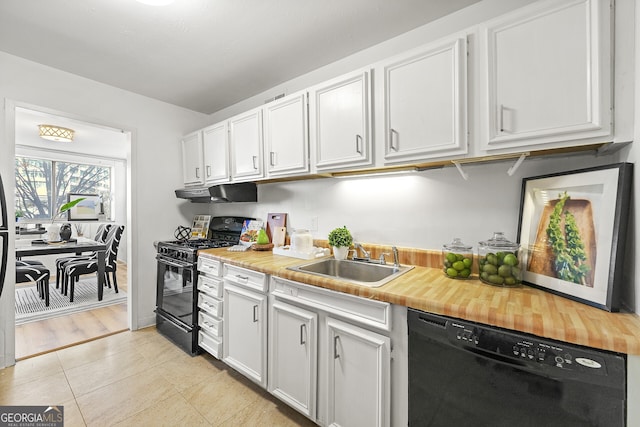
(245, 278)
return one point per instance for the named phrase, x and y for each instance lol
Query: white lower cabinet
(358, 362)
(351, 381)
(245, 323)
(293, 355)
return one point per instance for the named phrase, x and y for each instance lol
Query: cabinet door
(285, 133)
(216, 153)
(245, 139)
(546, 74)
(245, 332)
(293, 356)
(425, 101)
(358, 383)
(340, 120)
(192, 159)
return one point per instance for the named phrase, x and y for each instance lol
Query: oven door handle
(171, 263)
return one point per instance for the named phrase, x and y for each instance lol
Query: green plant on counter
(340, 237)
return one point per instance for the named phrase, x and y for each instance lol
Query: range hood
(222, 193)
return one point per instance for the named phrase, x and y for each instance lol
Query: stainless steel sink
(358, 272)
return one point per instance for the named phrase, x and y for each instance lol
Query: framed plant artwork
(87, 210)
(573, 228)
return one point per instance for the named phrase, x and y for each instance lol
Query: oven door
(175, 292)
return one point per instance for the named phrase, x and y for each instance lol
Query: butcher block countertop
(523, 309)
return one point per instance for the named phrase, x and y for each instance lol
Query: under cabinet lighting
(374, 172)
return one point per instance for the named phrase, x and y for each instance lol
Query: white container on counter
(301, 241)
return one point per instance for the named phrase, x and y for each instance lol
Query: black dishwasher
(467, 374)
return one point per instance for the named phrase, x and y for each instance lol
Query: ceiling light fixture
(156, 2)
(56, 133)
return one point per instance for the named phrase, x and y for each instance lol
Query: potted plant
(54, 232)
(340, 240)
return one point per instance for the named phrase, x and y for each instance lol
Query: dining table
(27, 248)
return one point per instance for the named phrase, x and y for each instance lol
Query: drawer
(355, 309)
(210, 324)
(210, 286)
(245, 278)
(210, 267)
(210, 344)
(210, 305)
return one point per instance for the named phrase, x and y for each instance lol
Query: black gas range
(187, 250)
(177, 279)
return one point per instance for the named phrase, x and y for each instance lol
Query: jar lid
(498, 241)
(457, 245)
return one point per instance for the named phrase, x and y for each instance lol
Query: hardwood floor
(41, 337)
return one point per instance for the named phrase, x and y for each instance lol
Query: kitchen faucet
(365, 255)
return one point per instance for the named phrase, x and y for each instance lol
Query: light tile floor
(141, 378)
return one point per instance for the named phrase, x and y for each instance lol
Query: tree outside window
(42, 185)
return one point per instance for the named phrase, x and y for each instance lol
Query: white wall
(156, 129)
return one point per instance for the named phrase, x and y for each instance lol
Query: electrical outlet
(314, 223)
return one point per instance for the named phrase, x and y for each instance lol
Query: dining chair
(100, 236)
(74, 269)
(34, 273)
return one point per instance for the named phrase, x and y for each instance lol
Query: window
(42, 185)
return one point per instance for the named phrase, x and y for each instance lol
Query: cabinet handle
(303, 334)
(208, 171)
(272, 158)
(335, 346)
(391, 144)
(501, 118)
(197, 172)
(245, 278)
(359, 144)
(255, 313)
(253, 159)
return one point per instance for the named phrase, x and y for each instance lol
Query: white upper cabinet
(286, 136)
(546, 76)
(192, 159)
(340, 122)
(425, 102)
(245, 140)
(216, 153)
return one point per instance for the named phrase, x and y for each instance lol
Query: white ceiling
(204, 55)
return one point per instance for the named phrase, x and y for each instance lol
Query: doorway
(93, 144)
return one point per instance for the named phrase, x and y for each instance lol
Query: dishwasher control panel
(524, 349)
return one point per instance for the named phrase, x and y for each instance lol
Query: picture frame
(86, 210)
(572, 232)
